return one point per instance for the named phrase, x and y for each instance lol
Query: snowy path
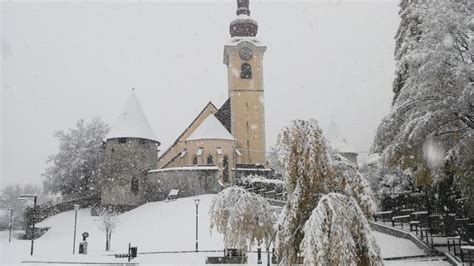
(154, 226)
(396, 247)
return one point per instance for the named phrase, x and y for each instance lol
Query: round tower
(131, 150)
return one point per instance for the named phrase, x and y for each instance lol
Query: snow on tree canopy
(242, 217)
(337, 233)
(211, 128)
(132, 122)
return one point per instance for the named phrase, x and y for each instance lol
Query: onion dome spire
(243, 25)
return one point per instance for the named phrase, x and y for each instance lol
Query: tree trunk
(107, 244)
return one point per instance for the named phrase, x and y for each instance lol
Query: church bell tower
(243, 55)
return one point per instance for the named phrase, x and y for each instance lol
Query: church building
(218, 146)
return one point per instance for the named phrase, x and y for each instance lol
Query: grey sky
(66, 61)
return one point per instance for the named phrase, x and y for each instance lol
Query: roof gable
(211, 128)
(210, 108)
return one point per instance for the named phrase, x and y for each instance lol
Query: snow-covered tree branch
(242, 217)
(77, 166)
(312, 170)
(337, 233)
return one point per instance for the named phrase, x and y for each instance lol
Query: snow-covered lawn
(158, 226)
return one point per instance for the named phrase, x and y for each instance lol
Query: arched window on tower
(195, 160)
(245, 71)
(210, 160)
(134, 185)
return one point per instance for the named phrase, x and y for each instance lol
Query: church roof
(224, 115)
(337, 140)
(211, 128)
(132, 122)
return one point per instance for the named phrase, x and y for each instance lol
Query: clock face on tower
(245, 53)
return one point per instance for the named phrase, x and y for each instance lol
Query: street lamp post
(196, 202)
(34, 196)
(76, 207)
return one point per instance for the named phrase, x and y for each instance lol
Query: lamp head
(196, 202)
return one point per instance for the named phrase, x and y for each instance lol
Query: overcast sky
(65, 61)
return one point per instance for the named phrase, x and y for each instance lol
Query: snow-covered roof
(211, 128)
(185, 168)
(336, 139)
(238, 39)
(132, 122)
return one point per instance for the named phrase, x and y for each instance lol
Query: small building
(340, 144)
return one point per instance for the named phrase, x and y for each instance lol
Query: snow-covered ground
(158, 226)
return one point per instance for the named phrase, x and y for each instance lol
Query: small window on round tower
(122, 140)
(245, 71)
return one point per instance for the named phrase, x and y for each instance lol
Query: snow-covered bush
(337, 233)
(242, 217)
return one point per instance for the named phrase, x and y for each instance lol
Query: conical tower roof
(132, 122)
(211, 128)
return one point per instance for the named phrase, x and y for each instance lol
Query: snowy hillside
(158, 226)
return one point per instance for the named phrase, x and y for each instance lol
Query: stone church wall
(188, 180)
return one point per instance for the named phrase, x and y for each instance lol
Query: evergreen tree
(406, 39)
(77, 166)
(436, 103)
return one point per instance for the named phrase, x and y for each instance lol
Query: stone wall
(190, 180)
(127, 159)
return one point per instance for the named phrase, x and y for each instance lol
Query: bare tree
(108, 223)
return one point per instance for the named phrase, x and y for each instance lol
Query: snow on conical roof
(336, 140)
(211, 128)
(132, 122)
